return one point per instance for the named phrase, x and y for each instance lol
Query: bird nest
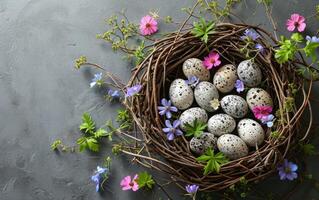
(175, 158)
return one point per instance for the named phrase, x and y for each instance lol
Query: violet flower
(113, 93)
(287, 171)
(97, 80)
(312, 39)
(250, 34)
(239, 85)
(192, 81)
(166, 108)
(131, 91)
(268, 120)
(191, 189)
(260, 48)
(96, 178)
(172, 130)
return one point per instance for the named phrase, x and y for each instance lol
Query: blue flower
(192, 81)
(250, 34)
(287, 171)
(268, 120)
(260, 48)
(191, 189)
(97, 80)
(313, 39)
(166, 108)
(97, 176)
(131, 91)
(172, 130)
(113, 93)
(239, 85)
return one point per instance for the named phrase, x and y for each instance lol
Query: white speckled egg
(258, 97)
(250, 73)
(195, 67)
(232, 146)
(250, 132)
(189, 116)
(203, 142)
(234, 106)
(225, 78)
(204, 93)
(220, 124)
(181, 94)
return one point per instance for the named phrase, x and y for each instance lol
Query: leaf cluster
(213, 161)
(203, 29)
(195, 129)
(145, 180)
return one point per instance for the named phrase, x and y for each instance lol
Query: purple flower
(97, 80)
(313, 39)
(172, 130)
(250, 34)
(113, 93)
(166, 108)
(192, 81)
(96, 178)
(268, 120)
(192, 189)
(239, 85)
(260, 48)
(131, 91)
(287, 171)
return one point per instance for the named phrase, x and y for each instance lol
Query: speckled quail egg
(234, 106)
(251, 132)
(204, 93)
(195, 67)
(258, 97)
(203, 142)
(232, 146)
(181, 94)
(225, 78)
(250, 73)
(220, 124)
(189, 116)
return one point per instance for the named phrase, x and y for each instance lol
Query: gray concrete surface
(43, 96)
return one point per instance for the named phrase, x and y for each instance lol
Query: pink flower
(128, 184)
(212, 60)
(262, 111)
(148, 25)
(296, 21)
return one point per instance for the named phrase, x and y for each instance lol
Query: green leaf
(100, 133)
(195, 129)
(56, 144)
(82, 143)
(297, 37)
(88, 125)
(88, 143)
(145, 179)
(203, 29)
(93, 144)
(310, 50)
(213, 161)
(286, 50)
(80, 61)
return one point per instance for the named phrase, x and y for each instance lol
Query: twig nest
(234, 106)
(232, 146)
(220, 124)
(202, 143)
(258, 97)
(250, 73)
(195, 67)
(251, 132)
(191, 114)
(204, 93)
(181, 94)
(225, 78)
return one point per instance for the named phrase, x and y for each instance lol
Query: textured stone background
(43, 96)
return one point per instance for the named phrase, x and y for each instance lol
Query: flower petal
(170, 136)
(301, 27)
(168, 124)
(176, 123)
(125, 181)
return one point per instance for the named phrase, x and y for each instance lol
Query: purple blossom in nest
(192, 81)
(287, 171)
(312, 39)
(268, 120)
(113, 93)
(250, 34)
(191, 189)
(166, 108)
(97, 80)
(172, 130)
(96, 178)
(260, 48)
(131, 91)
(239, 85)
